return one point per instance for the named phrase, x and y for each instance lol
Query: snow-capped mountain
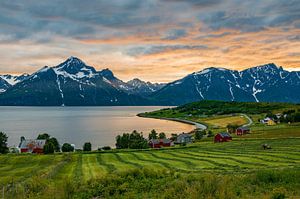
(70, 83)
(267, 83)
(7, 81)
(3, 85)
(13, 79)
(75, 83)
(138, 86)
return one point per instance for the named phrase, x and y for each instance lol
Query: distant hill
(212, 107)
(73, 83)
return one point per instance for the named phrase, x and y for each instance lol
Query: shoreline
(196, 124)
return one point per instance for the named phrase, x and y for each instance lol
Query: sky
(155, 40)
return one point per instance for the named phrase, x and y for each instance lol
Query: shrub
(106, 148)
(3, 143)
(66, 147)
(48, 148)
(87, 146)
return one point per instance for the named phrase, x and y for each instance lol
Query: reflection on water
(98, 125)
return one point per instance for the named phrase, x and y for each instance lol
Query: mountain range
(73, 83)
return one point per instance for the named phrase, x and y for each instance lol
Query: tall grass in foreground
(146, 183)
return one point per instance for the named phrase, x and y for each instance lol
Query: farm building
(271, 123)
(32, 146)
(268, 121)
(242, 130)
(223, 137)
(158, 143)
(184, 138)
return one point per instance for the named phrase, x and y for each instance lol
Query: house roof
(157, 141)
(244, 128)
(31, 143)
(224, 135)
(184, 135)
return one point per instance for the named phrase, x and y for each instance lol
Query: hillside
(199, 169)
(208, 108)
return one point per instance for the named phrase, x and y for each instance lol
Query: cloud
(167, 35)
(148, 50)
(198, 3)
(175, 34)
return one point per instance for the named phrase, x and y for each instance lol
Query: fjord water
(98, 125)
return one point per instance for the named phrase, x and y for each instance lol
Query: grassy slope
(238, 169)
(240, 157)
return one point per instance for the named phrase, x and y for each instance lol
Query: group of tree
(87, 146)
(199, 134)
(51, 145)
(3, 143)
(154, 135)
(291, 116)
(287, 116)
(66, 147)
(231, 128)
(132, 140)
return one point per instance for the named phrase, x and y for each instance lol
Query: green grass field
(236, 169)
(44, 174)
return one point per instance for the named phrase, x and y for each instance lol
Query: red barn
(242, 130)
(158, 143)
(223, 137)
(32, 146)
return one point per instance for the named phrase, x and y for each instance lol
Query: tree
(66, 147)
(173, 136)
(3, 143)
(210, 134)
(55, 143)
(48, 148)
(162, 135)
(152, 135)
(48, 138)
(87, 146)
(232, 128)
(44, 136)
(199, 135)
(132, 140)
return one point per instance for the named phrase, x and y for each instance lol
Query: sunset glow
(155, 40)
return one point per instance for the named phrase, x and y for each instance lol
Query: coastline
(196, 124)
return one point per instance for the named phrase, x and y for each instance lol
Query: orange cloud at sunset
(160, 46)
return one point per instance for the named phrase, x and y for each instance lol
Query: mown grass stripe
(191, 155)
(78, 170)
(269, 153)
(254, 156)
(220, 166)
(134, 164)
(109, 167)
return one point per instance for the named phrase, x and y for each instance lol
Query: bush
(3, 143)
(132, 140)
(106, 148)
(66, 147)
(48, 138)
(210, 134)
(87, 146)
(48, 148)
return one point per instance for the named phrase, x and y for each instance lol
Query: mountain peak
(108, 74)
(74, 65)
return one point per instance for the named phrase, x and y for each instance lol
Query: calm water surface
(98, 125)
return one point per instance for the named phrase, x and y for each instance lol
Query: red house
(32, 146)
(242, 130)
(223, 137)
(158, 143)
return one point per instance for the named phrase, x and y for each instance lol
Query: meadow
(58, 175)
(204, 169)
